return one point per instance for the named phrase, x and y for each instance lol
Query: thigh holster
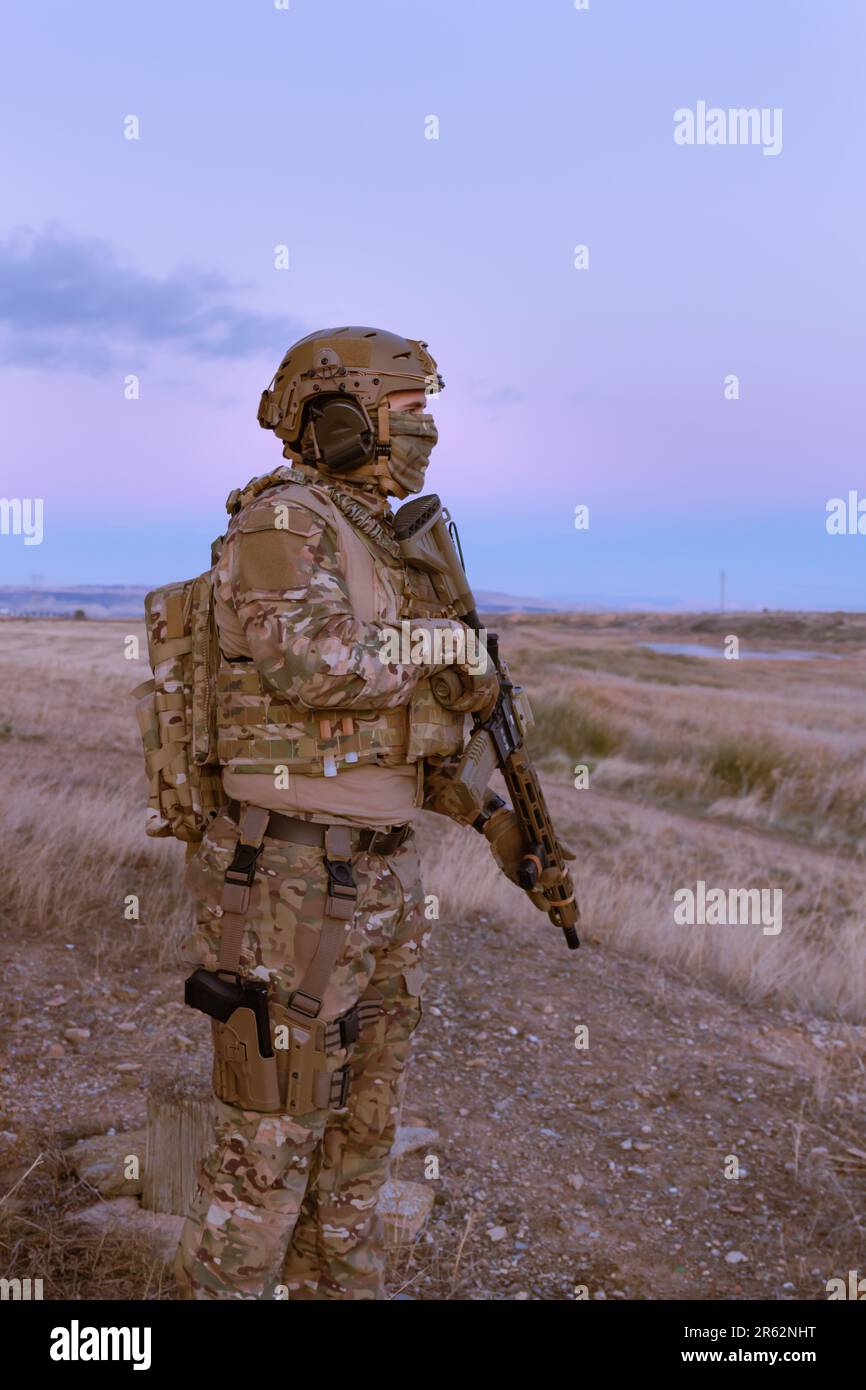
(312, 1056)
(269, 1057)
(245, 1070)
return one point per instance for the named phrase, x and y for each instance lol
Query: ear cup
(343, 434)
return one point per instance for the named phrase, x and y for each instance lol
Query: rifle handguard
(429, 541)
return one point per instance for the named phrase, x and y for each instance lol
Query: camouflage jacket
(304, 590)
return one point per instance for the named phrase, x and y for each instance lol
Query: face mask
(412, 441)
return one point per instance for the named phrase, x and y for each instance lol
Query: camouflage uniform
(316, 727)
(291, 1200)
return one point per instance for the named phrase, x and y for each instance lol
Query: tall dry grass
(783, 744)
(817, 963)
(73, 793)
(768, 749)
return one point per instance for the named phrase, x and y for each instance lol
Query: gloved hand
(507, 846)
(502, 832)
(463, 688)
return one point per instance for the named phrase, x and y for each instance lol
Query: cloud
(67, 302)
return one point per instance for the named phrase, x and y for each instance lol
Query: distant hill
(127, 601)
(97, 601)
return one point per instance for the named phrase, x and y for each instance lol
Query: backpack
(175, 710)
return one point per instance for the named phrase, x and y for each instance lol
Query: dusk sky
(306, 127)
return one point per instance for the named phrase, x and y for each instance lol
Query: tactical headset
(343, 435)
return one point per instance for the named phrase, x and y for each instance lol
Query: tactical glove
(503, 834)
(463, 688)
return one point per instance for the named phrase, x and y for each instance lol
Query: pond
(698, 649)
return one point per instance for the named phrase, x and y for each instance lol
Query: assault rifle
(429, 541)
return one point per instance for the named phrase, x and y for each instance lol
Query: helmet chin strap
(381, 465)
(387, 484)
(384, 423)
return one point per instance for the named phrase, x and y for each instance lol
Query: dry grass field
(605, 1168)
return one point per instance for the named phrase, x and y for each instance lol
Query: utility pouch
(311, 1075)
(245, 1069)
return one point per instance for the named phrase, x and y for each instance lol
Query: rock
(404, 1208)
(411, 1138)
(76, 1035)
(575, 1180)
(497, 1233)
(56, 1050)
(100, 1162)
(127, 1067)
(124, 1215)
(735, 1257)
(106, 1214)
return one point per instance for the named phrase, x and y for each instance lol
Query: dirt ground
(564, 1170)
(601, 1167)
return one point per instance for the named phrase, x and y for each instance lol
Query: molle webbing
(259, 732)
(176, 712)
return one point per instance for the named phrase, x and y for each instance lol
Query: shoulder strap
(239, 497)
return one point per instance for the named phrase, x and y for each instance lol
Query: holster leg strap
(340, 905)
(237, 885)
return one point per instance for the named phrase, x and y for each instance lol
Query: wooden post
(179, 1119)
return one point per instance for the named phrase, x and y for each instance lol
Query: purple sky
(602, 386)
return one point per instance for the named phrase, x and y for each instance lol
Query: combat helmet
(361, 365)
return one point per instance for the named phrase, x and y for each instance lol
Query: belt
(307, 832)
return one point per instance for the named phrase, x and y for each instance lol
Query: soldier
(308, 879)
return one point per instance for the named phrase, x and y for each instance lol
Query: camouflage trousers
(286, 1204)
